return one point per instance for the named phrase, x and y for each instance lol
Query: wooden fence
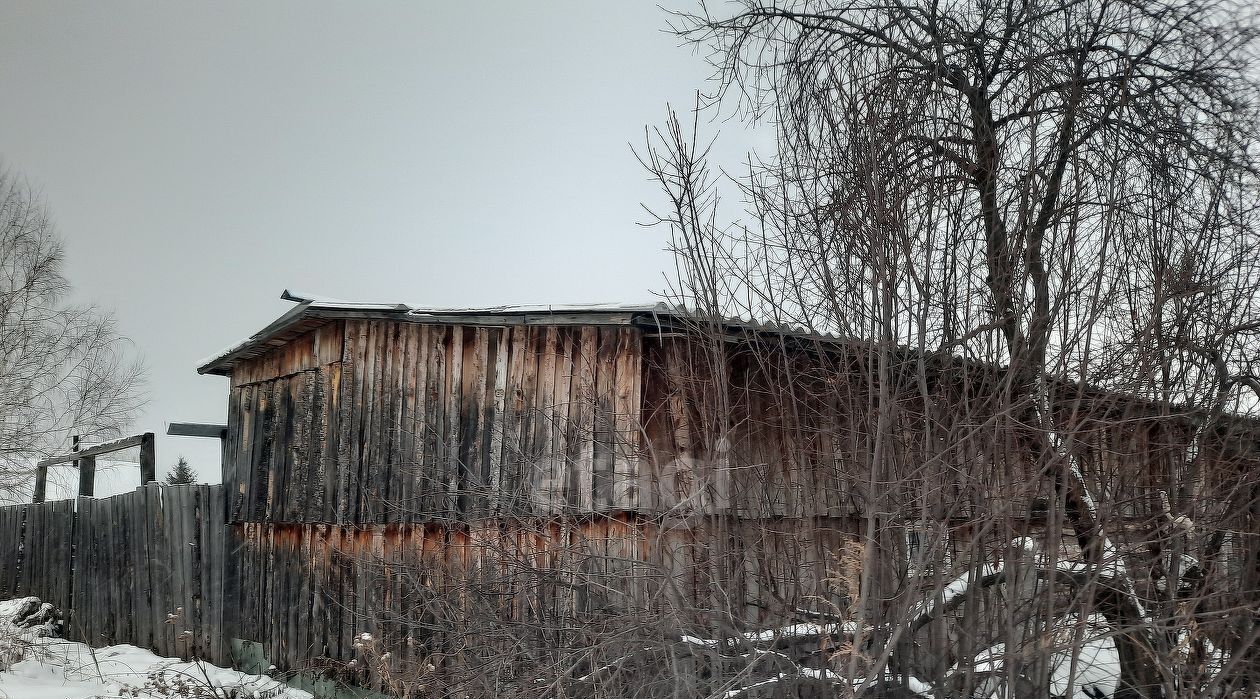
(36, 544)
(144, 567)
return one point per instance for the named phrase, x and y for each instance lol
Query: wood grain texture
(405, 422)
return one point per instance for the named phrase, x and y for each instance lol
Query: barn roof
(313, 311)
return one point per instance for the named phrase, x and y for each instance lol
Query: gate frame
(85, 461)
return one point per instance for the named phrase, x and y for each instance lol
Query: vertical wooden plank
(454, 380)
(304, 605)
(239, 618)
(336, 595)
(603, 447)
(332, 431)
(351, 600)
(259, 452)
(488, 350)
(41, 484)
(266, 575)
(283, 473)
(303, 493)
(288, 604)
(232, 446)
(202, 572)
(142, 622)
(66, 564)
(31, 549)
(163, 599)
(584, 402)
(190, 571)
(8, 552)
(403, 456)
(627, 409)
(561, 427)
(383, 404)
(293, 437)
(374, 582)
(220, 580)
(324, 604)
(512, 485)
(370, 409)
(87, 476)
(347, 438)
(351, 420)
(46, 538)
(418, 466)
(316, 418)
(129, 503)
(472, 421)
(110, 577)
(248, 467)
(391, 488)
(543, 457)
(8, 557)
(103, 616)
(125, 558)
(148, 459)
(172, 554)
(498, 419)
(248, 594)
(435, 430)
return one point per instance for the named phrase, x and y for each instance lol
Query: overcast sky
(200, 158)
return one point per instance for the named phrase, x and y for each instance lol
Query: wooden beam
(107, 447)
(197, 429)
(148, 459)
(41, 483)
(87, 469)
(87, 476)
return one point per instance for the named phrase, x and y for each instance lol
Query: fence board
(117, 566)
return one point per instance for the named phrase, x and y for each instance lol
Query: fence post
(87, 476)
(87, 470)
(148, 461)
(41, 484)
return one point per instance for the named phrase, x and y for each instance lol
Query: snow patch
(36, 665)
(59, 669)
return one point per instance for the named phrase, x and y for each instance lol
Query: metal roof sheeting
(312, 311)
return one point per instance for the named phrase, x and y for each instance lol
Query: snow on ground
(43, 667)
(60, 669)
(1095, 672)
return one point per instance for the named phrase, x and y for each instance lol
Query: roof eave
(310, 314)
(221, 364)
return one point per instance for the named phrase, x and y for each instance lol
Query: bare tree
(995, 284)
(63, 367)
(1036, 223)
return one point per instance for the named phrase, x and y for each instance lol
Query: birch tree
(64, 368)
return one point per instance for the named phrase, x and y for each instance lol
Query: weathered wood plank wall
(145, 567)
(375, 421)
(763, 429)
(36, 551)
(307, 591)
(149, 569)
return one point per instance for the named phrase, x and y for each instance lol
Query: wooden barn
(376, 432)
(634, 454)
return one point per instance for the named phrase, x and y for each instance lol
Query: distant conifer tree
(182, 474)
